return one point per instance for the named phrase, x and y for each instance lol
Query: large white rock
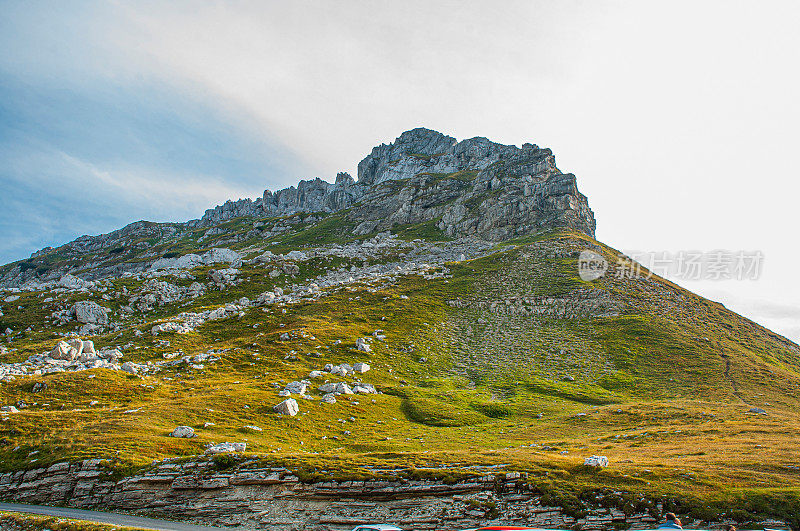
(90, 312)
(297, 388)
(130, 367)
(218, 255)
(71, 282)
(62, 351)
(170, 327)
(342, 388)
(188, 261)
(361, 367)
(77, 344)
(596, 460)
(183, 432)
(225, 447)
(287, 407)
(327, 388)
(8, 409)
(111, 354)
(362, 345)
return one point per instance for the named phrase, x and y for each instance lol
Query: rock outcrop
(266, 497)
(470, 188)
(424, 179)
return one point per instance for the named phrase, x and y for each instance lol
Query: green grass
(661, 388)
(29, 522)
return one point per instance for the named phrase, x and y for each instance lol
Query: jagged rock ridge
(473, 187)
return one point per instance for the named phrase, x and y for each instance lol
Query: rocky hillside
(425, 183)
(423, 329)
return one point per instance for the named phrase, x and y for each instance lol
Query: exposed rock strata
(273, 498)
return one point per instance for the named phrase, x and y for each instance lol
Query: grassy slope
(651, 389)
(26, 522)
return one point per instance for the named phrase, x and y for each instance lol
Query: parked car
(510, 528)
(377, 527)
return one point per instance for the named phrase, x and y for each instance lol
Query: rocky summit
(414, 346)
(470, 188)
(475, 188)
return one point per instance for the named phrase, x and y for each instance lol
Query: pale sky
(678, 118)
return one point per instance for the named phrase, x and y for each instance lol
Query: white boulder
(130, 367)
(71, 282)
(225, 447)
(362, 345)
(287, 407)
(63, 351)
(596, 460)
(297, 388)
(183, 432)
(90, 312)
(217, 255)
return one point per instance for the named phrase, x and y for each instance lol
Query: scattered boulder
(76, 344)
(183, 432)
(361, 367)
(63, 351)
(757, 411)
(297, 388)
(328, 398)
(71, 282)
(226, 447)
(8, 409)
(596, 461)
(170, 327)
(217, 255)
(223, 277)
(110, 354)
(38, 387)
(287, 407)
(130, 367)
(362, 345)
(89, 312)
(88, 348)
(342, 388)
(327, 388)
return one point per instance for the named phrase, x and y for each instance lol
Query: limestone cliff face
(470, 188)
(473, 188)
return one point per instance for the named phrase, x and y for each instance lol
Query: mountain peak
(470, 188)
(474, 187)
